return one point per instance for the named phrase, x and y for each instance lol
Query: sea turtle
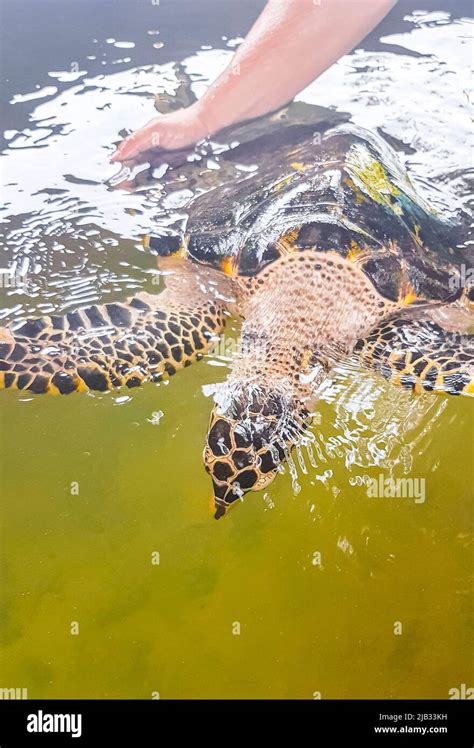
(324, 251)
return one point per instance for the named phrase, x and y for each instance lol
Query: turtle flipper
(107, 346)
(420, 355)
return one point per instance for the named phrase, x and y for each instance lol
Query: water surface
(317, 574)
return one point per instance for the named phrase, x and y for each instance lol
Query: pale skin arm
(291, 44)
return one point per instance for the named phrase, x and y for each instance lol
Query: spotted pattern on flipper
(112, 345)
(420, 355)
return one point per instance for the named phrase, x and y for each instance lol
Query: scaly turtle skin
(324, 251)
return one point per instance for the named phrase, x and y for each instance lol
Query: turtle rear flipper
(420, 355)
(111, 345)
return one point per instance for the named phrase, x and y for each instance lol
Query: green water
(322, 590)
(169, 627)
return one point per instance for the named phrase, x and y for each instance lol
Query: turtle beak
(221, 508)
(220, 511)
(218, 505)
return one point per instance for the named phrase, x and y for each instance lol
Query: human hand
(172, 131)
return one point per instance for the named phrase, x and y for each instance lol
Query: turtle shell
(345, 192)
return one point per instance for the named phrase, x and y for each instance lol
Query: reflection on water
(377, 424)
(71, 235)
(61, 217)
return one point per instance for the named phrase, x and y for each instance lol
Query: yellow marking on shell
(416, 235)
(355, 252)
(279, 185)
(469, 388)
(359, 196)
(131, 211)
(227, 265)
(409, 297)
(300, 166)
(286, 242)
(370, 176)
(146, 241)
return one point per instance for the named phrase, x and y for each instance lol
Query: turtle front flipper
(111, 345)
(420, 355)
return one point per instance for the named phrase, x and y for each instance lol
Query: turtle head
(249, 436)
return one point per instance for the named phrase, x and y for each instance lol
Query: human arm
(291, 43)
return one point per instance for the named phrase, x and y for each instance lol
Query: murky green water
(333, 591)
